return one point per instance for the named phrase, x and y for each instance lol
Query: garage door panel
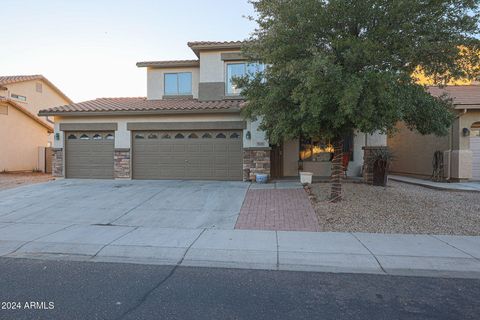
(209, 148)
(192, 155)
(89, 155)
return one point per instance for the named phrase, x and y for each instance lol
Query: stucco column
(459, 159)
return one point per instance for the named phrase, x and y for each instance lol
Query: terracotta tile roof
(197, 46)
(215, 43)
(13, 79)
(26, 112)
(169, 63)
(142, 105)
(461, 95)
(4, 80)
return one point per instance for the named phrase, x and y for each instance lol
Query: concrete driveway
(164, 204)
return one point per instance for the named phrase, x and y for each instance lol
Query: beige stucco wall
(36, 101)
(20, 139)
(212, 68)
(123, 136)
(465, 121)
(414, 152)
(155, 81)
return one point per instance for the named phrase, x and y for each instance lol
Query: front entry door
(276, 161)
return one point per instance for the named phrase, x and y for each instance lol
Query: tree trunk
(337, 171)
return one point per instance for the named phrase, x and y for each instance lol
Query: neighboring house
(188, 127)
(24, 135)
(414, 153)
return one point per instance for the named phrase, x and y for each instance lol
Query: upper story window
(18, 97)
(238, 70)
(178, 83)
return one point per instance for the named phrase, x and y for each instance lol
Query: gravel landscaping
(398, 208)
(13, 180)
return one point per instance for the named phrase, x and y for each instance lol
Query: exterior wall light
(248, 135)
(466, 132)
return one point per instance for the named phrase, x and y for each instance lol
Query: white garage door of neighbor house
(475, 148)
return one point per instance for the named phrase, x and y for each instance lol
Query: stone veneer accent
(255, 160)
(57, 162)
(368, 169)
(121, 163)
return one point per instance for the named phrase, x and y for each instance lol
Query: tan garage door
(205, 155)
(89, 155)
(475, 148)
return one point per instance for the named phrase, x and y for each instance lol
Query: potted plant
(380, 161)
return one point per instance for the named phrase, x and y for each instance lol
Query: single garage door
(89, 154)
(205, 155)
(475, 148)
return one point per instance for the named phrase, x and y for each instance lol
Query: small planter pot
(261, 178)
(306, 177)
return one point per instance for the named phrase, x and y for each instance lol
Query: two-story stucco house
(188, 127)
(24, 135)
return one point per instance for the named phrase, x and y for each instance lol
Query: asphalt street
(41, 289)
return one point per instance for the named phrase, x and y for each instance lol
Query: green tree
(342, 65)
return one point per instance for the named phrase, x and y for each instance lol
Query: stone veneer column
(368, 153)
(255, 160)
(121, 163)
(57, 162)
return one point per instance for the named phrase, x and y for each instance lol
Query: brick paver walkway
(277, 209)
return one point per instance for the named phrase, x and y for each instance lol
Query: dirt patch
(13, 180)
(398, 208)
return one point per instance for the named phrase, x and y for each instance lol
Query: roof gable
(5, 80)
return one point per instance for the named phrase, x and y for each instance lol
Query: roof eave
(459, 106)
(134, 112)
(196, 48)
(161, 64)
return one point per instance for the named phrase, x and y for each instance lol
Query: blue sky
(89, 48)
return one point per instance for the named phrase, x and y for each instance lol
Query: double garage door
(205, 155)
(214, 155)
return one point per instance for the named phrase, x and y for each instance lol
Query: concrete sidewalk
(422, 255)
(446, 186)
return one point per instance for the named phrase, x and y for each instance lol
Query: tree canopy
(342, 65)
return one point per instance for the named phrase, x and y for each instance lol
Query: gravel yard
(398, 208)
(13, 180)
